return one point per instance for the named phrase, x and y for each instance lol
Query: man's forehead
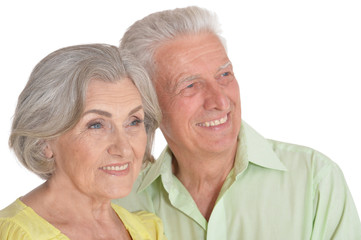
(189, 45)
(191, 71)
(188, 57)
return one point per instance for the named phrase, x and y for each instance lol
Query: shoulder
(10, 229)
(12, 222)
(141, 224)
(138, 217)
(292, 153)
(151, 223)
(16, 212)
(290, 148)
(304, 159)
(148, 219)
(19, 221)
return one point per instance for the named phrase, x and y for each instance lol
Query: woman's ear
(48, 152)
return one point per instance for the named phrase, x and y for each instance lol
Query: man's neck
(203, 176)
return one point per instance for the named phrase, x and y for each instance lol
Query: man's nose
(216, 98)
(119, 144)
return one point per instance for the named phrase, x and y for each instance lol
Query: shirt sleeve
(335, 214)
(10, 231)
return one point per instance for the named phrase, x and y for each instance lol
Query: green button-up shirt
(274, 191)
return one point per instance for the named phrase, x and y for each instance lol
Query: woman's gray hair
(53, 99)
(144, 37)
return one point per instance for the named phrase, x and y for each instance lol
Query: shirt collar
(163, 165)
(252, 147)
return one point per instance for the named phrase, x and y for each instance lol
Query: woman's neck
(74, 214)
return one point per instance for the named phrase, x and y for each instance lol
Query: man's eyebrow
(192, 77)
(224, 66)
(186, 79)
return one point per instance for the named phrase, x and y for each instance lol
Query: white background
(298, 64)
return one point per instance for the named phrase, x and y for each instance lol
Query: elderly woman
(85, 123)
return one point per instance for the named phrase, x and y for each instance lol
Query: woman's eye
(136, 122)
(95, 126)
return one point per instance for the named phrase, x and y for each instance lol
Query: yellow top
(18, 221)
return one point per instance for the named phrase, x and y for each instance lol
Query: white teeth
(223, 120)
(116, 168)
(214, 122)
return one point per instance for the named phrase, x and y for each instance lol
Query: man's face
(198, 95)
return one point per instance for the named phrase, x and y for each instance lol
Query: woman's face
(102, 155)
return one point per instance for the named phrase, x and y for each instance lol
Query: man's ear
(48, 152)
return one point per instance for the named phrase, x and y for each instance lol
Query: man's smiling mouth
(213, 122)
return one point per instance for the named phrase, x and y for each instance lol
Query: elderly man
(218, 178)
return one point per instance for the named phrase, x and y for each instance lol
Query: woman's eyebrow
(99, 112)
(108, 114)
(136, 109)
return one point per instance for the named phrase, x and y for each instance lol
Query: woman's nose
(119, 145)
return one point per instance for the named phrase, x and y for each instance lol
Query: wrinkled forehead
(187, 55)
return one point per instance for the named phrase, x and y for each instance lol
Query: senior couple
(216, 179)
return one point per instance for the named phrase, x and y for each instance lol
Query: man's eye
(225, 78)
(190, 85)
(191, 88)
